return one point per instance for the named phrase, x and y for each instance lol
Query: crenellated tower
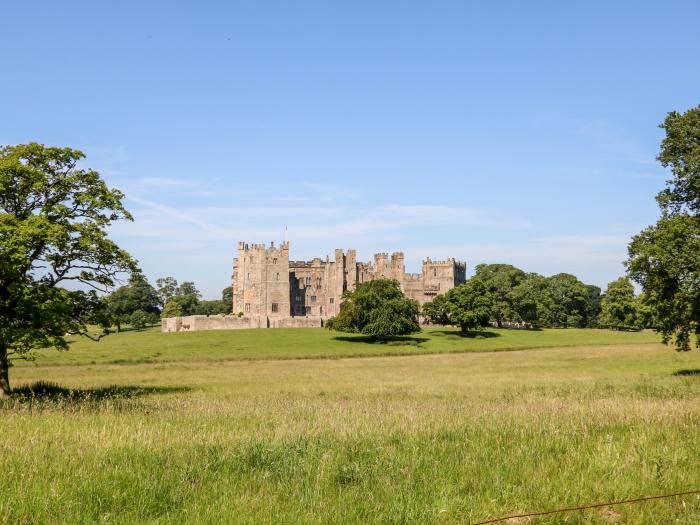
(261, 280)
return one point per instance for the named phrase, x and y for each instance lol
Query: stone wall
(194, 323)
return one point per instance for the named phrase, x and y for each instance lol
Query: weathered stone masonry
(269, 290)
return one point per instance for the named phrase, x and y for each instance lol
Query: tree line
(497, 295)
(139, 304)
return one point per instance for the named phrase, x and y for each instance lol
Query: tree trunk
(4, 374)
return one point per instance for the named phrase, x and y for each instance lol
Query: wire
(583, 507)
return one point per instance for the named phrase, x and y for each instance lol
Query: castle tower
(261, 280)
(397, 268)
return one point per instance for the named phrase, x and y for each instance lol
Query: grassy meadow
(228, 427)
(134, 347)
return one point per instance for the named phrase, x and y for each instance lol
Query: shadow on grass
(42, 390)
(473, 334)
(391, 341)
(688, 372)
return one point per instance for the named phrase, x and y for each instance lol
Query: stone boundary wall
(194, 323)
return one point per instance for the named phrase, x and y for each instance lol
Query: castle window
(320, 310)
(299, 298)
(308, 310)
(318, 282)
(332, 299)
(277, 277)
(274, 261)
(275, 307)
(434, 272)
(313, 298)
(248, 276)
(308, 281)
(247, 307)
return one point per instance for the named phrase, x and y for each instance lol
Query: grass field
(291, 343)
(223, 427)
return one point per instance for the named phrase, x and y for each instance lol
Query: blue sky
(518, 132)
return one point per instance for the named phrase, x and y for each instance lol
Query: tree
(138, 295)
(138, 319)
(619, 306)
(500, 280)
(665, 258)
(53, 220)
(215, 307)
(378, 309)
(227, 297)
(593, 306)
(185, 304)
(437, 311)
(568, 299)
(532, 301)
(172, 309)
(166, 288)
(188, 288)
(680, 150)
(468, 306)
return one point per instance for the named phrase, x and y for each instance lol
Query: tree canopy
(468, 306)
(500, 280)
(378, 309)
(665, 258)
(619, 306)
(53, 221)
(136, 296)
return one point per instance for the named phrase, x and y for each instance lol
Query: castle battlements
(267, 284)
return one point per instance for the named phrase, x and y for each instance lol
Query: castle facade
(267, 284)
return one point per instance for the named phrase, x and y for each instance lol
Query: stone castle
(269, 290)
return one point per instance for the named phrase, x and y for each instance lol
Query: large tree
(620, 306)
(665, 258)
(469, 306)
(500, 280)
(569, 298)
(136, 296)
(378, 309)
(166, 288)
(53, 220)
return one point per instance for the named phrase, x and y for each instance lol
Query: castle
(269, 290)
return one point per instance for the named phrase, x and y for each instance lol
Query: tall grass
(449, 438)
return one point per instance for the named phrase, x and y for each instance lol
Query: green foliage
(500, 280)
(532, 301)
(53, 220)
(215, 307)
(665, 258)
(568, 299)
(166, 288)
(437, 311)
(680, 150)
(227, 297)
(620, 306)
(172, 309)
(137, 296)
(468, 306)
(593, 305)
(378, 309)
(138, 319)
(185, 300)
(188, 288)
